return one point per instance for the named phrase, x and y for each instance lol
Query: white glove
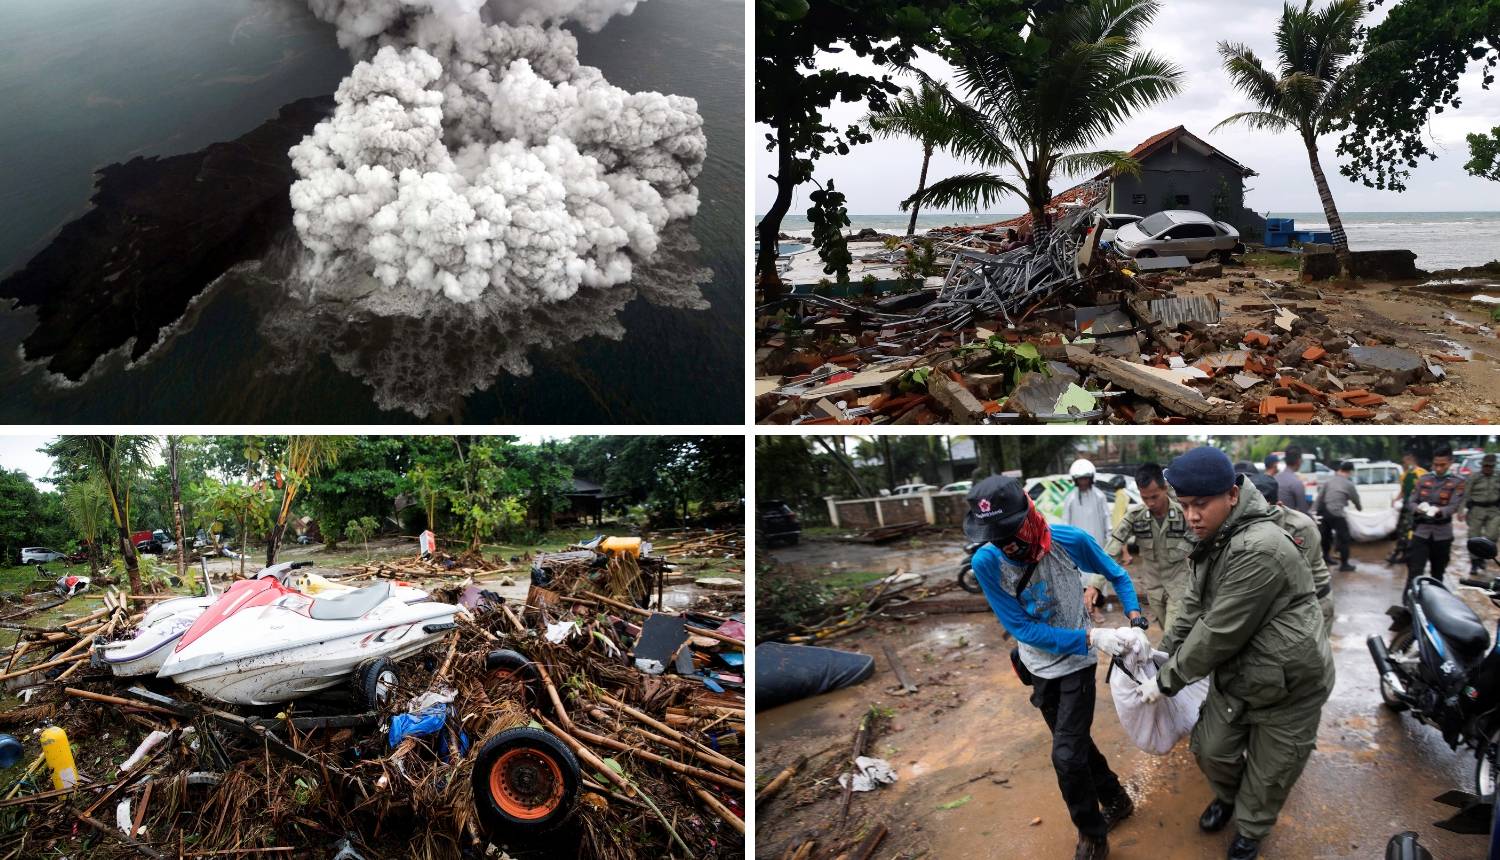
(1150, 690)
(1428, 508)
(1107, 641)
(1135, 640)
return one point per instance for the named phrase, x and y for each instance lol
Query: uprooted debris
(543, 700)
(1059, 331)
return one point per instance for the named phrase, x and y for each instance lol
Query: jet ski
(264, 642)
(164, 623)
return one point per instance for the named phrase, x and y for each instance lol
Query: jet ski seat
(1450, 616)
(352, 605)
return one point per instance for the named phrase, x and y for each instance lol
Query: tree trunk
(1330, 211)
(890, 464)
(1040, 192)
(911, 228)
(843, 461)
(273, 542)
(132, 564)
(177, 509)
(769, 227)
(244, 543)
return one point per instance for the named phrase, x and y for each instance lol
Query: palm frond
(973, 191)
(1256, 121)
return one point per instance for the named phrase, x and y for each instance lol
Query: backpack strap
(1025, 579)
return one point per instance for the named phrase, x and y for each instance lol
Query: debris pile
(532, 726)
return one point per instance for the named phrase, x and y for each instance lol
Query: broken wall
(1167, 174)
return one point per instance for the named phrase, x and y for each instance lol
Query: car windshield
(1153, 224)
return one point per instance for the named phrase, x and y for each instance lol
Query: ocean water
(1441, 240)
(85, 83)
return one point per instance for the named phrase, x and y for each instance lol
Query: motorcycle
(1440, 665)
(966, 578)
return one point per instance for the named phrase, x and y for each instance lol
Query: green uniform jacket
(1250, 619)
(1304, 532)
(1162, 546)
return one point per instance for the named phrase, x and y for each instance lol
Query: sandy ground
(969, 734)
(1423, 320)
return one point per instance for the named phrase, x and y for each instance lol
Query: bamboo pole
(587, 755)
(684, 769)
(672, 733)
(116, 700)
(40, 666)
(562, 713)
(780, 779)
(719, 808)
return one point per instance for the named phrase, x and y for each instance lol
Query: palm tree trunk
(177, 510)
(911, 228)
(1335, 224)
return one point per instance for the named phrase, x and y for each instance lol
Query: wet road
(969, 737)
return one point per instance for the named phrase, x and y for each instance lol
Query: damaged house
(1180, 170)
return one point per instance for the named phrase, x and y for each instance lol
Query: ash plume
(470, 156)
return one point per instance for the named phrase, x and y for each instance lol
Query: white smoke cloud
(470, 154)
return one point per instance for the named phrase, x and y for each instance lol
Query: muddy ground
(1421, 319)
(969, 740)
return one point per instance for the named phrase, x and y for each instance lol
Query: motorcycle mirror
(1483, 547)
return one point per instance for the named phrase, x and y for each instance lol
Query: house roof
(1156, 142)
(583, 486)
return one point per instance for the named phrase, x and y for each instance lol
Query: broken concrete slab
(1157, 264)
(963, 406)
(1403, 365)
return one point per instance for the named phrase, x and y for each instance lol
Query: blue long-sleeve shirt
(1028, 623)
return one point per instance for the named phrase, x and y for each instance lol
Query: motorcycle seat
(1459, 626)
(352, 605)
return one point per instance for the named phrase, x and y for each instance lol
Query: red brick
(1313, 353)
(1350, 413)
(1421, 404)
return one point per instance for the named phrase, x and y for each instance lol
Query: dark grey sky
(876, 176)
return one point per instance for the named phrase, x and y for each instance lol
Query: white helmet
(1081, 469)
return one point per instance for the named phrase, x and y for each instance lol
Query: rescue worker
(1086, 507)
(1334, 499)
(1162, 542)
(1433, 501)
(1250, 620)
(1304, 532)
(1293, 493)
(1032, 575)
(1410, 472)
(1482, 506)
(1273, 465)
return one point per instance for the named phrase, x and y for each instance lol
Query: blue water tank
(1279, 231)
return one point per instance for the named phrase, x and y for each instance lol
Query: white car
(1178, 233)
(957, 487)
(912, 489)
(39, 555)
(1113, 221)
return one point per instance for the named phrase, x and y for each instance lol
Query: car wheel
(374, 683)
(524, 779)
(1225, 257)
(1145, 253)
(504, 666)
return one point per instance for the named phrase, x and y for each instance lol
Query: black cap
(1204, 471)
(1271, 460)
(997, 507)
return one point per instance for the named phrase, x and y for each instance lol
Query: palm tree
(1041, 112)
(116, 461)
(86, 505)
(1309, 89)
(248, 505)
(302, 459)
(921, 114)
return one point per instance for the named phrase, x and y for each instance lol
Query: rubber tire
(366, 681)
(1399, 644)
(499, 823)
(1225, 257)
(968, 581)
(1145, 254)
(504, 660)
(1492, 747)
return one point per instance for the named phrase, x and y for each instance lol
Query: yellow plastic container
(59, 756)
(615, 546)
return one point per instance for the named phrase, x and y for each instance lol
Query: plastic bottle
(10, 751)
(59, 757)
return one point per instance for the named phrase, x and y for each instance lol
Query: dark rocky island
(159, 232)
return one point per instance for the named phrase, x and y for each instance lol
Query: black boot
(1117, 810)
(1244, 848)
(1091, 848)
(1216, 816)
(1345, 566)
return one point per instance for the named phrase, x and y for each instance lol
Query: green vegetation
(845, 579)
(1081, 75)
(1310, 89)
(1269, 260)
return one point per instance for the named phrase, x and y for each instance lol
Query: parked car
(1048, 491)
(1313, 473)
(957, 487)
(1113, 222)
(39, 555)
(1468, 464)
(154, 542)
(1178, 232)
(775, 521)
(912, 489)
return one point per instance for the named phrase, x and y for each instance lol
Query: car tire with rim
(1401, 646)
(525, 780)
(374, 682)
(506, 665)
(1145, 253)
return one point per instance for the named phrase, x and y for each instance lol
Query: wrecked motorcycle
(1441, 665)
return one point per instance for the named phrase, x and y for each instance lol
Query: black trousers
(1083, 774)
(1421, 550)
(1335, 534)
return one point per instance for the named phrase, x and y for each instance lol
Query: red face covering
(1032, 540)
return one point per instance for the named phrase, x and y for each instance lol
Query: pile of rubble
(1059, 331)
(641, 713)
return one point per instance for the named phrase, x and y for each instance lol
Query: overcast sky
(876, 176)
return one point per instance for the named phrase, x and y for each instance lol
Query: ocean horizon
(1441, 240)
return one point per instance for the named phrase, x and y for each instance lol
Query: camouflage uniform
(1161, 556)
(1482, 499)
